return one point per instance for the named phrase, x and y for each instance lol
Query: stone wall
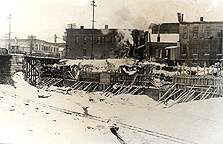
(5, 69)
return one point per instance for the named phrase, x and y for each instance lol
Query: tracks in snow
(104, 120)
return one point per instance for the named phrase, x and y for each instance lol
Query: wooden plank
(166, 92)
(205, 93)
(188, 98)
(197, 96)
(171, 94)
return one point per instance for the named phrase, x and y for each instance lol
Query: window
(185, 33)
(207, 32)
(195, 32)
(112, 39)
(84, 52)
(85, 40)
(201, 31)
(167, 53)
(76, 39)
(207, 48)
(99, 40)
(157, 52)
(161, 53)
(219, 48)
(138, 40)
(184, 49)
(90, 41)
(195, 48)
(219, 34)
(102, 40)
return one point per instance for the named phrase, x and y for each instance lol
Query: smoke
(130, 19)
(140, 14)
(105, 31)
(126, 36)
(83, 2)
(214, 4)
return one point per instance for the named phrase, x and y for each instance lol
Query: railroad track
(104, 120)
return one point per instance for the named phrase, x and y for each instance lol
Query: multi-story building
(103, 43)
(200, 41)
(32, 46)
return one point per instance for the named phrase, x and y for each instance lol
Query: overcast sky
(44, 18)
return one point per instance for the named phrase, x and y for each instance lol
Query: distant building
(107, 43)
(32, 46)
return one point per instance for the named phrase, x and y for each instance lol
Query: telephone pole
(93, 21)
(10, 18)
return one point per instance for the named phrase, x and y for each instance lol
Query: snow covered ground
(86, 118)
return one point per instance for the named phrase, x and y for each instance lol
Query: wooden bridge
(33, 67)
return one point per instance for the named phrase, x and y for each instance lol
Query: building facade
(32, 46)
(201, 41)
(103, 43)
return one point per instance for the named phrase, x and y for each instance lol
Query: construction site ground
(29, 115)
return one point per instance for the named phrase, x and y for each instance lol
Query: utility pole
(10, 18)
(93, 21)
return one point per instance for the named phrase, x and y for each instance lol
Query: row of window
(207, 49)
(42, 47)
(100, 39)
(195, 32)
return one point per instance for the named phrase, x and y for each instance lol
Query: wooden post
(177, 69)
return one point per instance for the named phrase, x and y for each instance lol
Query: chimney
(182, 17)
(201, 19)
(16, 41)
(158, 38)
(82, 27)
(179, 17)
(106, 26)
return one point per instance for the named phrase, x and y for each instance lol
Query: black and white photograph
(111, 72)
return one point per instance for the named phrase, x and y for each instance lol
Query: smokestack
(158, 37)
(16, 40)
(201, 19)
(179, 17)
(182, 17)
(106, 26)
(82, 27)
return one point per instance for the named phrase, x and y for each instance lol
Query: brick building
(200, 41)
(107, 43)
